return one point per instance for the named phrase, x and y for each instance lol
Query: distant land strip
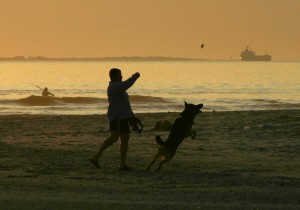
(133, 58)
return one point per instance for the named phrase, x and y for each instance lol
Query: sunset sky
(170, 28)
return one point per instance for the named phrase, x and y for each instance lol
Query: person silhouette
(46, 92)
(119, 115)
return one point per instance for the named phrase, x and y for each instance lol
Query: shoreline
(239, 159)
(152, 113)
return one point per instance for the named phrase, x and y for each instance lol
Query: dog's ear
(185, 104)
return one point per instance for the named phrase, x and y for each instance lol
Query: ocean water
(80, 87)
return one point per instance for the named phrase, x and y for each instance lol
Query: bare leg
(124, 149)
(108, 142)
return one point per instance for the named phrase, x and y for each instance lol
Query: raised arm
(123, 86)
(130, 81)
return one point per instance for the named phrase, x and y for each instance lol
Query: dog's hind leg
(158, 154)
(160, 164)
(149, 166)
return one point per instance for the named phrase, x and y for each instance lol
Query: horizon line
(118, 58)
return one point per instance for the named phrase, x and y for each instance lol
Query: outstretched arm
(129, 82)
(123, 86)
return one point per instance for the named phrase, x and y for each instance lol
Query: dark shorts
(120, 125)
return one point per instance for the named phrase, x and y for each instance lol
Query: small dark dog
(180, 130)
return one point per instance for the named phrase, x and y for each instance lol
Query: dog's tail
(159, 141)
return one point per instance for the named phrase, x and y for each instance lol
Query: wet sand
(238, 160)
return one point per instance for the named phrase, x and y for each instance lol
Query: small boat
(249, 55)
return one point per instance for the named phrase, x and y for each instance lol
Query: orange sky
(172, 28)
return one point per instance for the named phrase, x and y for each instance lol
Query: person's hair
(114, 72)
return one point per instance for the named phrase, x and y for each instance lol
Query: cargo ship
(249, 55)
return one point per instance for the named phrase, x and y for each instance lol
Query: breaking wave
(276, 104)
(53, 101)
(145, 99)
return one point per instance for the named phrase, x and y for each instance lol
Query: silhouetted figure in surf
(46, 92)
(119, 115)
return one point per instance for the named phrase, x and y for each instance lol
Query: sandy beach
(239, 160)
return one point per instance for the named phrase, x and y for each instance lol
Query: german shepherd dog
(180, 130)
